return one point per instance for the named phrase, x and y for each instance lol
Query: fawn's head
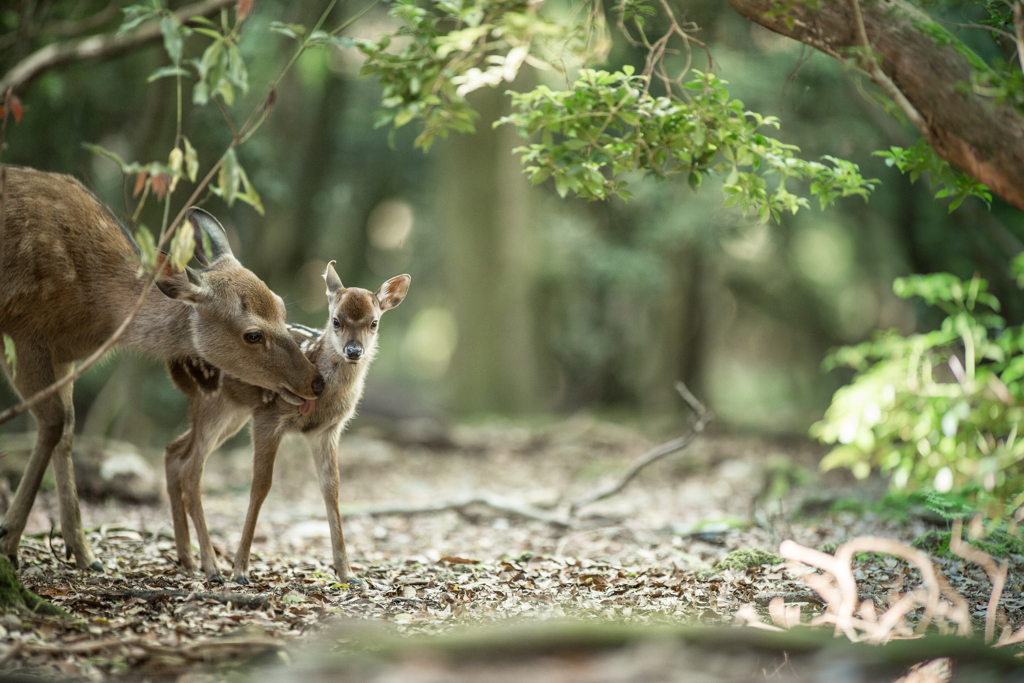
(240, 324)
(355, 314)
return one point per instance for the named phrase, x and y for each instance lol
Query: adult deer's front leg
(266, 437)
(325, 456)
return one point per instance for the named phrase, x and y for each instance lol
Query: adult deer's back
(68, 278)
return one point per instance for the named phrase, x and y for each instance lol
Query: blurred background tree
(524, 303)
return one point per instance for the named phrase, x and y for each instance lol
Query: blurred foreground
(651, 559)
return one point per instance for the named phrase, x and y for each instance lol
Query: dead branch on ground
(462, 506)
(700, 419)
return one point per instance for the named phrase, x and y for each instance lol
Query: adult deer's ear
(333, 281)
(211, 239)
(393, 292)
(189, 286)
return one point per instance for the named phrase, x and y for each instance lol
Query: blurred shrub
(939, 409)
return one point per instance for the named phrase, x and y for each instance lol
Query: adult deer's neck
(162, 328)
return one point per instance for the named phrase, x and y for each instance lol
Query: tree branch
(97, 47)
(703, 415)
(927, 65)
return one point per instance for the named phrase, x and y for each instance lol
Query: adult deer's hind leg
(211, 426)
(55, 420)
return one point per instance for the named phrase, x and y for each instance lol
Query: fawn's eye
(373, 325)
(254, 337)
(337, 324)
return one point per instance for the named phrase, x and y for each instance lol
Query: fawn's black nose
(353, 350)
(318, 385)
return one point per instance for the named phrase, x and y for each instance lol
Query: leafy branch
(180, 240)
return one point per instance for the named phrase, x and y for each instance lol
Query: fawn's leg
(325, 457)
(266, 438)
(55, 419)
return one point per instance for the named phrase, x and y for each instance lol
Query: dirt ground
(648, 559)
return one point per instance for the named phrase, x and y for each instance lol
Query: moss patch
(14, 596)
(745, 558)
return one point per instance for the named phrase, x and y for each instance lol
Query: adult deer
(342, 352)
(68, 279)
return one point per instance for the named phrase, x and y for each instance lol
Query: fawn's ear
(392, 292)
(333, 281)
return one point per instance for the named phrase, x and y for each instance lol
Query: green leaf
(228, 178)
(147, 249)
(10, 354)
(295, 31)
(107, 154)
(166, 71)
(173, 41)
(191, 160)
(183, 245)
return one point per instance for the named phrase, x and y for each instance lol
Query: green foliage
(10, 354)
(921, 158)
(938, 409)
(448, 50)
(608, 124)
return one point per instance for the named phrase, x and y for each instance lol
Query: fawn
(342, 352)
(68, 279)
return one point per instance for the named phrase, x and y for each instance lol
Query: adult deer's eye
(373, 325)
(254, 337)
(337, 324)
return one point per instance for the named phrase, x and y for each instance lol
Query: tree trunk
(485, 209)
(930, 67)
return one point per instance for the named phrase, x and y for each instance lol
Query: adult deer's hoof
(243, 580)
(96, 566)
(216, 578)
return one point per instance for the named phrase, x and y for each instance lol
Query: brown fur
(68, 280)
(216, 416)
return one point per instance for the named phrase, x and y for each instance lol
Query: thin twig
(97, 47)
(3, 169)
(870, 64)
(703, 415)
(1018, 30)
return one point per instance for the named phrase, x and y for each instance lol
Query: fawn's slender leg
(211, 426)
(325, 457)
(55, 419)
(266, 437)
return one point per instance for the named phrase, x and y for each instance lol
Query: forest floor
(649, 560)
